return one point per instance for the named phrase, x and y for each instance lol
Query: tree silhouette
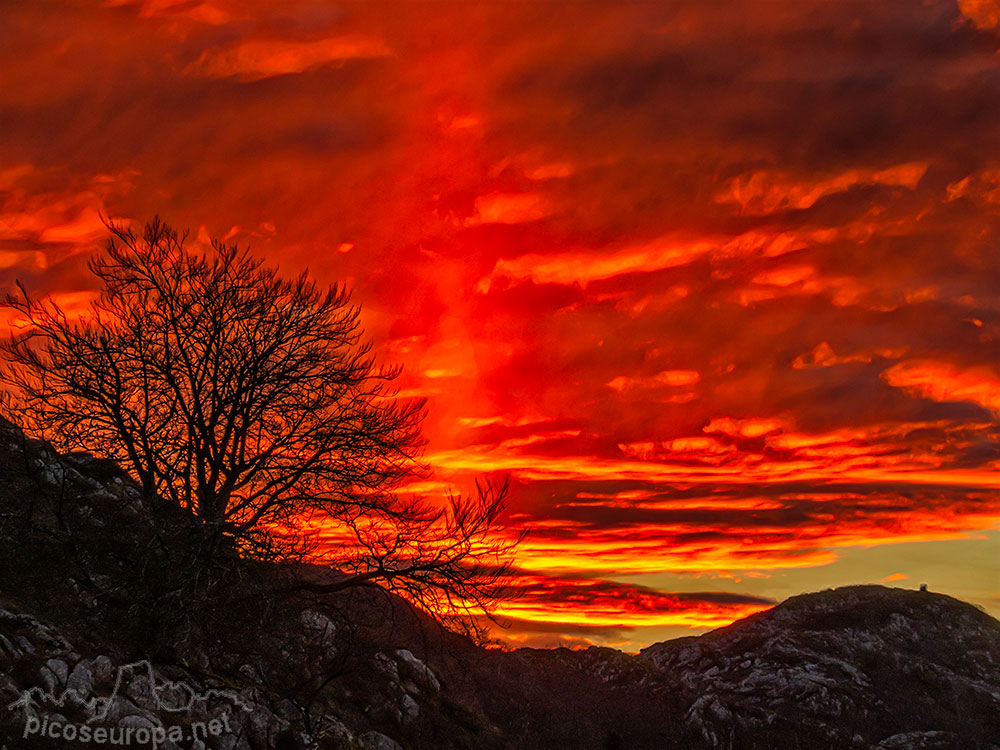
(251, 403)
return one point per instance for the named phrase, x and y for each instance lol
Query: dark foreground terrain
(95, 633)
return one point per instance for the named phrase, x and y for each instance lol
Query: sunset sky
(716, 283)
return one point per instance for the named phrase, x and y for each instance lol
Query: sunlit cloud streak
(255, 59)
(597, 604)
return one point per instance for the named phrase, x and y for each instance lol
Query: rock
(54, 674)
(263, 724)
(229, 742)
(318, 623)
(81, 679)
(7, 648)
(288, 710)
(329, 727)
(411, 687)
(921, 741)
(378, 741)
(104, 671)
(388, 666)
(410, 708)
(136, 721)
(419, 670)
(140, 690)
(118, 708)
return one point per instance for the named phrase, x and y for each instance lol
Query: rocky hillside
(46, 681)
(96, 637)
(860, 666)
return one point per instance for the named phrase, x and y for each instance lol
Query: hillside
(856, 666)
(92, 635)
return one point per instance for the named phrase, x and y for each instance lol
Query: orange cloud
(584, 268)
(509, 208)
(824, 356)
(668, 378)
(894, 577)
(764, 192)
(550, 171)
(567, 467)
(64, 220)
(703, 449)
(982, 188)
(734, 539)
(605, 604)
(799, 280)
(254, 59)
(942, 381)
(69, 214)
(750, 427)
(983, 13)
(34, 260)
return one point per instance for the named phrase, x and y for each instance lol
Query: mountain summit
(857, 666)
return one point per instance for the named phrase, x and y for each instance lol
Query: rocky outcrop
(855, 667)
(45, 678)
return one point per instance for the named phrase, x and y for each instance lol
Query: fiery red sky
(718, 284)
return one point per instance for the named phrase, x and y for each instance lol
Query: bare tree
(251, 403)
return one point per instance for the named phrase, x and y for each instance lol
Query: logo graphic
(163, 695)
(134, 711)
